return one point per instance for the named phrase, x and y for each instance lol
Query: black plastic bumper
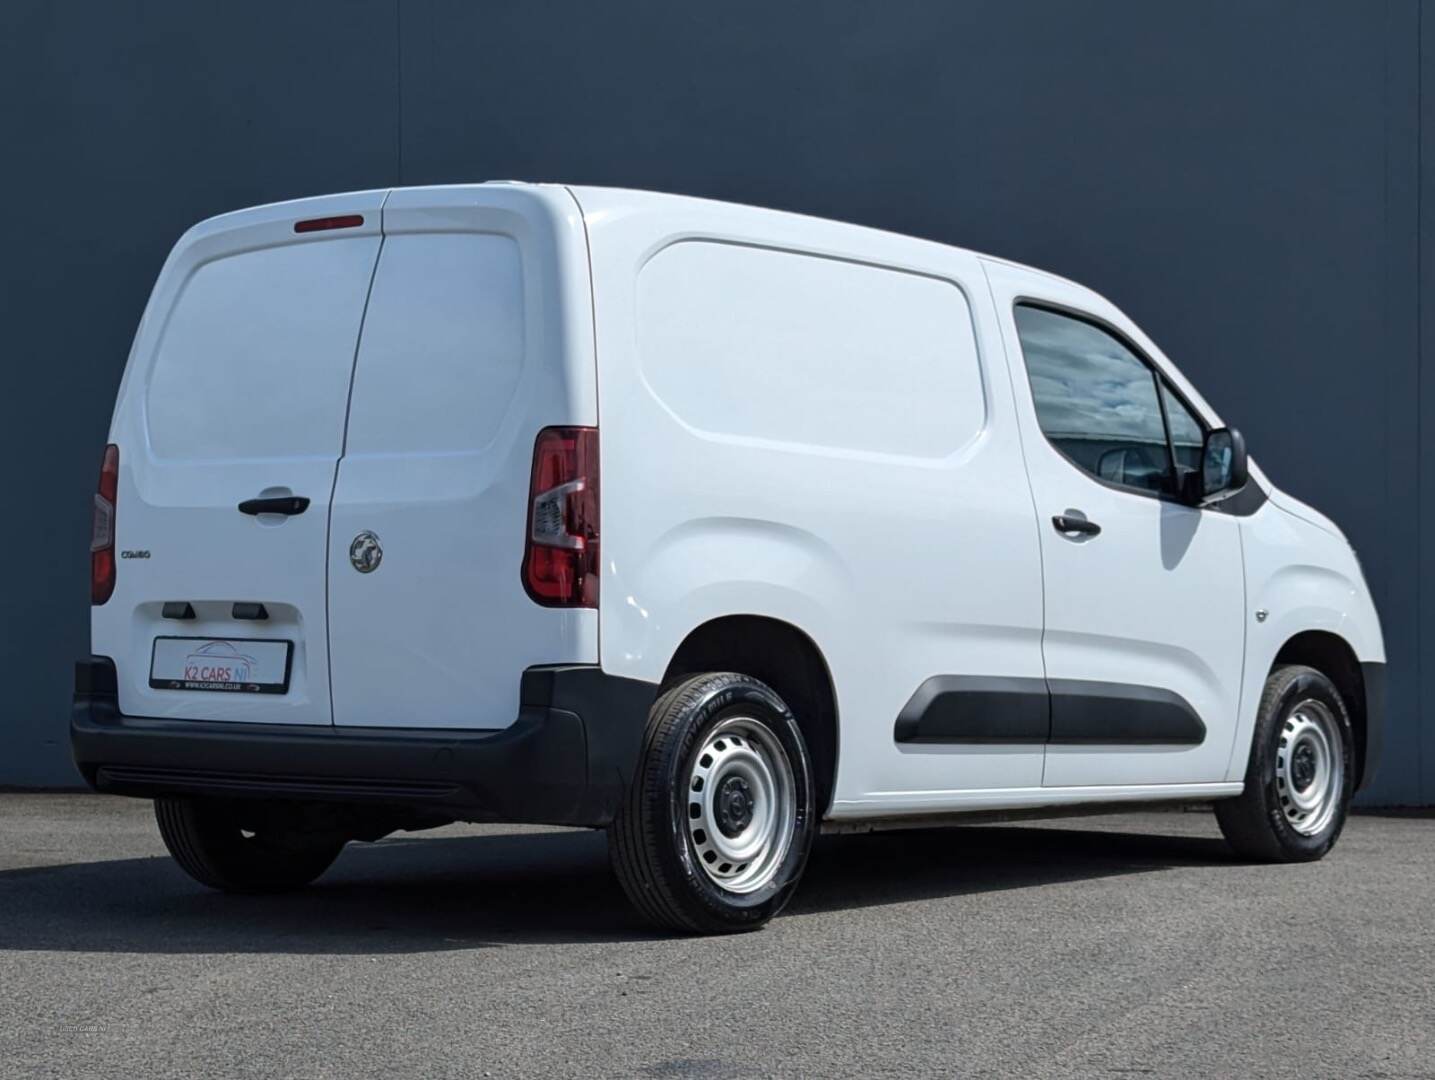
(1373, 676)
(566, 760)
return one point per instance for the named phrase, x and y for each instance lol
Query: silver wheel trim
(740, 747)
(1310, 767)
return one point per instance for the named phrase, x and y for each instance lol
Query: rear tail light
(560, 558)
(102, 528)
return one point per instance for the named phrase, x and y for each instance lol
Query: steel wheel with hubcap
(1299, 779)
(1310, 767)
(719, 819)
(742, 800)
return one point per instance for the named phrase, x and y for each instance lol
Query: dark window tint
(1095, 399)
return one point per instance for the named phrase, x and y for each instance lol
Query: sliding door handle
(1069, 525)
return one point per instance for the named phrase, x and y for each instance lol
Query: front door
(1144, 633)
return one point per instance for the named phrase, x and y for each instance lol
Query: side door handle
(288, 505)
(1068, 525)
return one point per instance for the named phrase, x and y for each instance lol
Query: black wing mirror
(1223, 462)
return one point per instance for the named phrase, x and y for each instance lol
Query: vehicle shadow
(433, 894)
(872, 869)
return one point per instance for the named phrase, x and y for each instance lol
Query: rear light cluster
(102, 528)
(560, 558)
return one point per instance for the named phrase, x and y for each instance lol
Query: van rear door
(478, 334)
(230, 418)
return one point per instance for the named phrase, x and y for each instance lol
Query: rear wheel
(719, 819)
(238, 847)
(1301, 773)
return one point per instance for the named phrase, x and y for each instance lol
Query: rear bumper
(566, 760)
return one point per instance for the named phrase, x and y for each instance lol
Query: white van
(708, 525)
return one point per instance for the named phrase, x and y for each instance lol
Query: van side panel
(478, 335)
(236, 389)
(799, 421)
(801, 352)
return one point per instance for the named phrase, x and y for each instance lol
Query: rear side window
(254, 361)
(801, 350)
(1096, 400)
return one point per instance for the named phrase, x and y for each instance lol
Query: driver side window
(1102, 406)
(1097, 402)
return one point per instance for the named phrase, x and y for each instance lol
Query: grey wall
(1243, 178)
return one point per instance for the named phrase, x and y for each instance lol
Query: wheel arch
(784, 657)
(1333, 656)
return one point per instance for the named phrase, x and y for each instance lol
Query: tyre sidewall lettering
(1302, 688)
(755, 702)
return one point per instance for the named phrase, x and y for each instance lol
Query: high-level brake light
(319, 224)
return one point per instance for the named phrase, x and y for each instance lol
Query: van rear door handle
(1067, 524)
(288, 505)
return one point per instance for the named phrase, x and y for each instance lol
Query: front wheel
(243, 847)
(1301, 773)
(720, 817)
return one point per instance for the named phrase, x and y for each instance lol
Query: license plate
(228, 665)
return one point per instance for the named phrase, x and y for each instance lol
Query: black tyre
(1301, 773)
(242, 848)
(716, 828)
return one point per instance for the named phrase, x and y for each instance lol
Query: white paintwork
(799, 419)
(236, 387)
(478, 334)
(1157, 599)
(725, 344)
(902, 554)
(1306, 577)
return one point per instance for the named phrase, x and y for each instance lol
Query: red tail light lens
(560, 558)
(320, 224)
(102, 528)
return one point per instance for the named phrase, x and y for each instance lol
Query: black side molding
(978, 709)
(1119, 714)
(975, 709)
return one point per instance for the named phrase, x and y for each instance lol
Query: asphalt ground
(1113, 946)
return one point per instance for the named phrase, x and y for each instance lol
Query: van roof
(631, 199)
(639, 200)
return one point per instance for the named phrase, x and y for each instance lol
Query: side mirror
(1223, 462)
(1111, 465)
